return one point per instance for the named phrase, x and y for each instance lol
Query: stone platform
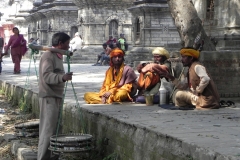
(134, 131)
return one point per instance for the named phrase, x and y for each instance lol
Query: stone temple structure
(95, 21)
(221, 19)
(145, 23)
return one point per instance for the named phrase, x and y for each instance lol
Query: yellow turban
(115, 52)
(161, 51)
(190, 52)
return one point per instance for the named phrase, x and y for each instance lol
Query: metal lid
(70, 149)
(75, 137)
(30, 124)
(27, 130)
(72, 144)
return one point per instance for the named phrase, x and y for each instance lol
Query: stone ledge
(129, 136)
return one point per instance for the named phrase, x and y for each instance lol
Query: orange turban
(116, 52)
(190, 52)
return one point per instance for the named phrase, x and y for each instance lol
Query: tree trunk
(188, 24)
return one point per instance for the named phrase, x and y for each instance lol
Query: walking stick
(45, 48)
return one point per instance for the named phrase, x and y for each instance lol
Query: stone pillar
(201, 7)
(228, 21)
(227, 13)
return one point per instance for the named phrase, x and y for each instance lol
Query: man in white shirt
(76, 42)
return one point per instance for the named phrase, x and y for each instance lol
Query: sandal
(223, 104)
(227, 104)
(231, 104)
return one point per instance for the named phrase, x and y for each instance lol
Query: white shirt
(76, 43)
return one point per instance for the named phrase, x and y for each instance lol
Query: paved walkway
(214, 130)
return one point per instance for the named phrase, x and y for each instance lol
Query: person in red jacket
(111, 41)
(18, 49)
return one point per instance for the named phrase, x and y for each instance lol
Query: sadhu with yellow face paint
(119, 84)
(198, 89)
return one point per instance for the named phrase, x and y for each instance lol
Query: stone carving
(91, 19)
(165, 28)
(81, 20)
(29, 28)
(140, 18)
(49, 26)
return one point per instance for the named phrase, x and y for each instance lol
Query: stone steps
(89, 54)
(86, 55)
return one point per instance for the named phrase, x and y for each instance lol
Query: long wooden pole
(45, 48)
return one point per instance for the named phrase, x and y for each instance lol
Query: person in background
(1, 62)
(111, 41)
(1, 44)
(34, 41)
(1, 52)
(18, 49)
(122, 43)
(119, 84)
(197, 89)
(76, 42)
(103, 55)
(52, 78)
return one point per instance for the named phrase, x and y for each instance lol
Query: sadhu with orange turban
(116, 52)
(119, 84)
(197, 89)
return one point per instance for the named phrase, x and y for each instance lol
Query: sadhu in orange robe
(121, 86)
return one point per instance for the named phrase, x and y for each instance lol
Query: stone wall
(224, 66)
(130, 141)
(157, 27)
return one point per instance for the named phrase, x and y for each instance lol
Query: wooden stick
(45, 48)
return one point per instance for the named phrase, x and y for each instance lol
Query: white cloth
(204, 78)
(76, 43)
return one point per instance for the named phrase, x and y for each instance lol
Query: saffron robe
(122, 86)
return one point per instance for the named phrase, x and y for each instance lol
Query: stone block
(15, 145)
(9, 136)
(26, 154)
(167, 39)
